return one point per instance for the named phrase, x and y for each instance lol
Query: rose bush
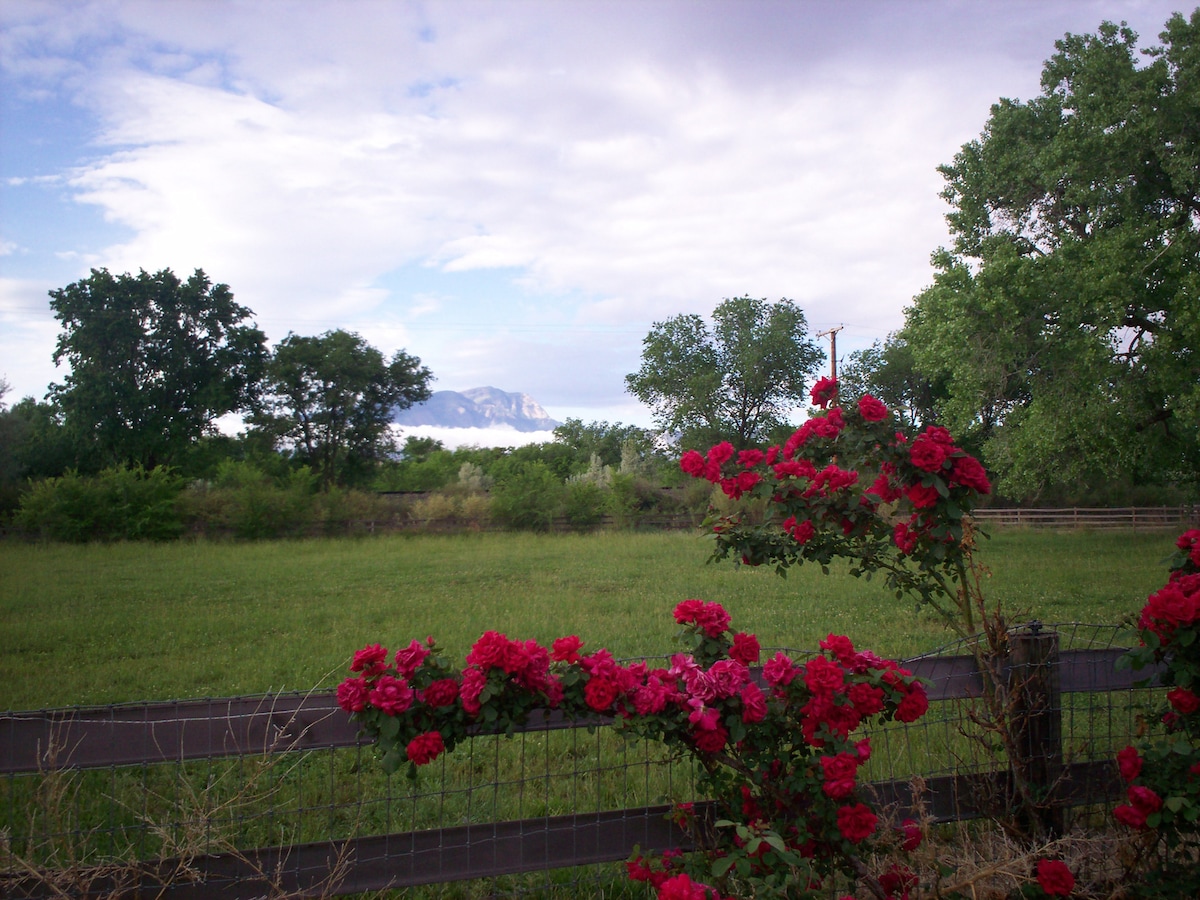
(848, 484)
(1162, 771)
(776, 749)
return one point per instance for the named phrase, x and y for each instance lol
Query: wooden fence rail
(1132, 517)
(198, 729)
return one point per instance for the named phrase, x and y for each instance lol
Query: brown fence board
(401, 860)
(202, 729)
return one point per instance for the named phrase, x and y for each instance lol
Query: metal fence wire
(277, 795)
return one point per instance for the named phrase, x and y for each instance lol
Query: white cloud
(453, 438)
(27, 336)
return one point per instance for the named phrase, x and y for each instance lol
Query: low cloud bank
(453, 438)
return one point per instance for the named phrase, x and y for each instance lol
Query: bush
(340, 511)
(530, 497)
(119, 503)
(433, 509)
(248, 503)
(584, 503)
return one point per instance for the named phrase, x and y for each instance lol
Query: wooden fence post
(1036, 711)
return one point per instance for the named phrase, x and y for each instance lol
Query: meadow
(106, 623)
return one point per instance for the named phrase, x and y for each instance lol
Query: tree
(738, 380)
(154, 362)
(1065, 321)
(887, 371)
(331, 400)
(609, 442)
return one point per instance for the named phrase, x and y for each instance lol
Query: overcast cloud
(512, 191)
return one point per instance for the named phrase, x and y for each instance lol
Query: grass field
(99, 624)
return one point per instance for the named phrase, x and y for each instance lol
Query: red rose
(897, 881)
(927, 454)
(871, 409)
(838, 775)
(1145, 799)
(441, 693)
(750, 458)
(410, 658)
(720, 453)
(1184, 701)
(1055, 878)
(473, 683)
(681, 887)
(904, 538)
(745, 648)
(840, 646)
(692, 463)
(491, 650)
(1129, 763)
(856, 823)
(822, 676)
(804, 532)
(391, 695)
(425, 748)
(867, 699)
(922, 496)
(968, 472)
(600, 693)
(779, 670)
(710, 740)
(754, 704)
(352, 694)
(566, 649)
(1131, 816)
(914, 705)
(1186, 540)
(824, 391)
(369, 660)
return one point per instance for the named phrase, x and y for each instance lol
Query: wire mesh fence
(278, 795)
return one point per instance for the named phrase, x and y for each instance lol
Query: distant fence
(147, 799)
(1132, 517)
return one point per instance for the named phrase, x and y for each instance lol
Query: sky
(513, 191)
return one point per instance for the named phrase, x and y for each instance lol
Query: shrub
(529, 497)
(246, 502)
(584, 503)
(476, 510)
(119, 503)
(433, 509)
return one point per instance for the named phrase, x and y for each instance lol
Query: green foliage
(584, 503)
(331, 400)
(528, 497)
(1063, 325)
(154, 362)
(613, 444)
(887, 371)
(121, 503)
(738, 380)
(246, 502)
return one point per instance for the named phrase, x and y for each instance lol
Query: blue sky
(514, 191)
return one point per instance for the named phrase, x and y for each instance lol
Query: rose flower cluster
(1162, 774)
(847, 474)
(740, 721)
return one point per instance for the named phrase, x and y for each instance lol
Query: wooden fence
(1132, 517)
(131, 736)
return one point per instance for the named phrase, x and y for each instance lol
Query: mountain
(484, 407)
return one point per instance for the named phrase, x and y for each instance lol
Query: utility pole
(832, 332)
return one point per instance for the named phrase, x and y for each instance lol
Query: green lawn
(99, 624)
